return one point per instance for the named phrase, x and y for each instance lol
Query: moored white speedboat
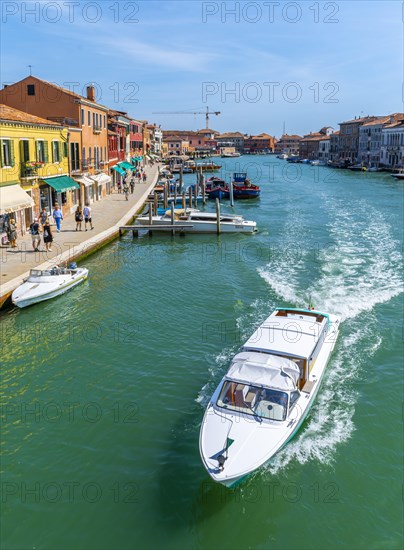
(194, 221)
(47, 284)
(267, 392)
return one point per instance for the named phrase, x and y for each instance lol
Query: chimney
(91, 92)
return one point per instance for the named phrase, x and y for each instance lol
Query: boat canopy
(264, 370)
(292, 336)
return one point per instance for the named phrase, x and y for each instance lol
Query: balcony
(97, 129)
(29, 170)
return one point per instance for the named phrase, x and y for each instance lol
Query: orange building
(86, 121)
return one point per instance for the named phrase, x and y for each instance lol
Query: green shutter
(45, 152)
(65, 149)
(60, 151)
(12, 152)
(1, 153)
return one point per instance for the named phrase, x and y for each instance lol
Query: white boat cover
(12, 198)
(264, 370)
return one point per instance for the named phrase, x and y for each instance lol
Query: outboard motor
(72, 265)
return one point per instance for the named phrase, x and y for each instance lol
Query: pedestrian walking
(87, 216)
(12, 233)
(79, 218)
(47, 235)
(43, 216)
(126, 191)
(57, 216)
(144, 177)
(34, 229)
(132, 184)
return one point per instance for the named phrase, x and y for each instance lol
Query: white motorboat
(45, 284)
(267, 392)
(194, 221)
(231, 155)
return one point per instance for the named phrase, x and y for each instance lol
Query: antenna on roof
(30, 70)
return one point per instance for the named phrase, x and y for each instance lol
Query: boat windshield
(253, 400)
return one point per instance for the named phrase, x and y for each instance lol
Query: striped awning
(126, 166)
(119, 170)
(85, 181)
(101, 178)
(12, 198)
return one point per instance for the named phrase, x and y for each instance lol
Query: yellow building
(34, 168)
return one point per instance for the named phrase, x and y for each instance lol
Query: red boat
(243, 188)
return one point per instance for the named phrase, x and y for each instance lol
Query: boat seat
(239, 399)
(270, 410)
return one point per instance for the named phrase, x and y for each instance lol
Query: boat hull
(253, 443)
(218, 194)
(28, 295)
(246, 194)
(199, 227)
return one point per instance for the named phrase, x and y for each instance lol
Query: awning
(12, 198)
(85, 181)
(61, 183)
(137, 159)
(126, 166)
(101, 178)
(119, 170)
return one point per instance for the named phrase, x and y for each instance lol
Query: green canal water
(104, 389)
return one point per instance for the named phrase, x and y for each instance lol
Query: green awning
(138, 158)
(126, 166)
(61, 183)
(119, 170)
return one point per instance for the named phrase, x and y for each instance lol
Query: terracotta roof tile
(9, 113)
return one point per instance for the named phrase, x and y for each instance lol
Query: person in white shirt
(87, 216)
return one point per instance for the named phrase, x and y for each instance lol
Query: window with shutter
(24, 150)
(45, 152)
(12, 159)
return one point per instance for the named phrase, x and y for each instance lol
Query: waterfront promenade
(108, 215)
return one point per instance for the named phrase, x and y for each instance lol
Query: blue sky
(306, 64)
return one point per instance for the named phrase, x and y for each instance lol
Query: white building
(392, 145)
(324, 150)
(370, 139)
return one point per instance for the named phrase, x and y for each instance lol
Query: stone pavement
(107, 214)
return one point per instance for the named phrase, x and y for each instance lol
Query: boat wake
(358, 270)
(330, 422)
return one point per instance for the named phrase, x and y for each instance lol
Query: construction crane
(207, 113)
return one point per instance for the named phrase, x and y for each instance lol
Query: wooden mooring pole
(218, 216)
(231, 194)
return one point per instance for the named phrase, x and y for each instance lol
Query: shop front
(17, 204)
(102, 185)
(87, 192)
(60, 189)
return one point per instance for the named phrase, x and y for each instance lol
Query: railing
(64, 121)
(28, 172)
(97, 129)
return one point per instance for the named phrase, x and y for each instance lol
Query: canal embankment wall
(78, 251)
